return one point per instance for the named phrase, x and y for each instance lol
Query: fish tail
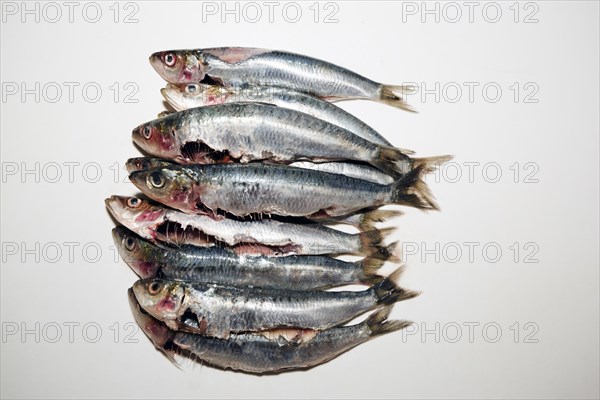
(369, 267)
(369, 219)
(393, 161)
(430, 164)
(372, 243)
(379, 324)
(392, 252)
(411, 190)
(387, 292)
(394, 95)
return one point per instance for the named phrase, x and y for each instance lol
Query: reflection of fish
(268, 351)
(266, 236)
(244, 189)
(207, 308)
(246, 132)
(185, 96)
(238, 66)
(223, 266)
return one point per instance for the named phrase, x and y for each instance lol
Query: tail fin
(372, 244)
(394, 96)
(391, 252)
(387, 292)
(393, 161)
(368, 220)
(369, 267)
(379, 324)
(412, 190)
(430, 164)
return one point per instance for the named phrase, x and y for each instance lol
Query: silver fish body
(246, 132)
(244, 189)
(219, 311)
(257, 353)
(264, 236)
(183, 97)
(223, 266)
(239, 66)
(359, 171)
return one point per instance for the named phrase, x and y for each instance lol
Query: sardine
(217, 310)
(267, 236)
(223, 266)
(141, 163)
(245, 189)
(258, 354)
(192, 95)
(360, 171)
(246, 132)
(238, 66)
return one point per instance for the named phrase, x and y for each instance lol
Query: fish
(223, 266)
(246, 132)
(155, 222)
(352, 170)
(192, 95)
(246, 189)
(218, 310)
(239, 66)
(259, 354)
(156, 331)
(142, 163)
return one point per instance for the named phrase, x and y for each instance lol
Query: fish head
(136, 252)
(140, 163)
(160, 298)
(169, 186)
(139, 215)
(190, 95)
(158, 333)
(157, 137)
(179, 66)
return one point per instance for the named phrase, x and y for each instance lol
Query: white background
(556, 355)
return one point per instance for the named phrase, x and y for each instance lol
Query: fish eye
(147, 132)
(134, 202)
(191, 88)
(129, 243)
(156, 179)
(169, 59)
(154, 287)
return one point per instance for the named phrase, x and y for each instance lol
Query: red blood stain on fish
(165, 142)
(148, 216)
(146, 269)
(166, 304)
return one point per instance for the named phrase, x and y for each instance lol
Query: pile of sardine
(233, 240)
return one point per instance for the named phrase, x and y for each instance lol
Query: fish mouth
(116, 236)
(155, 60)
(138, 178)
(110, 203)
(167, 94)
